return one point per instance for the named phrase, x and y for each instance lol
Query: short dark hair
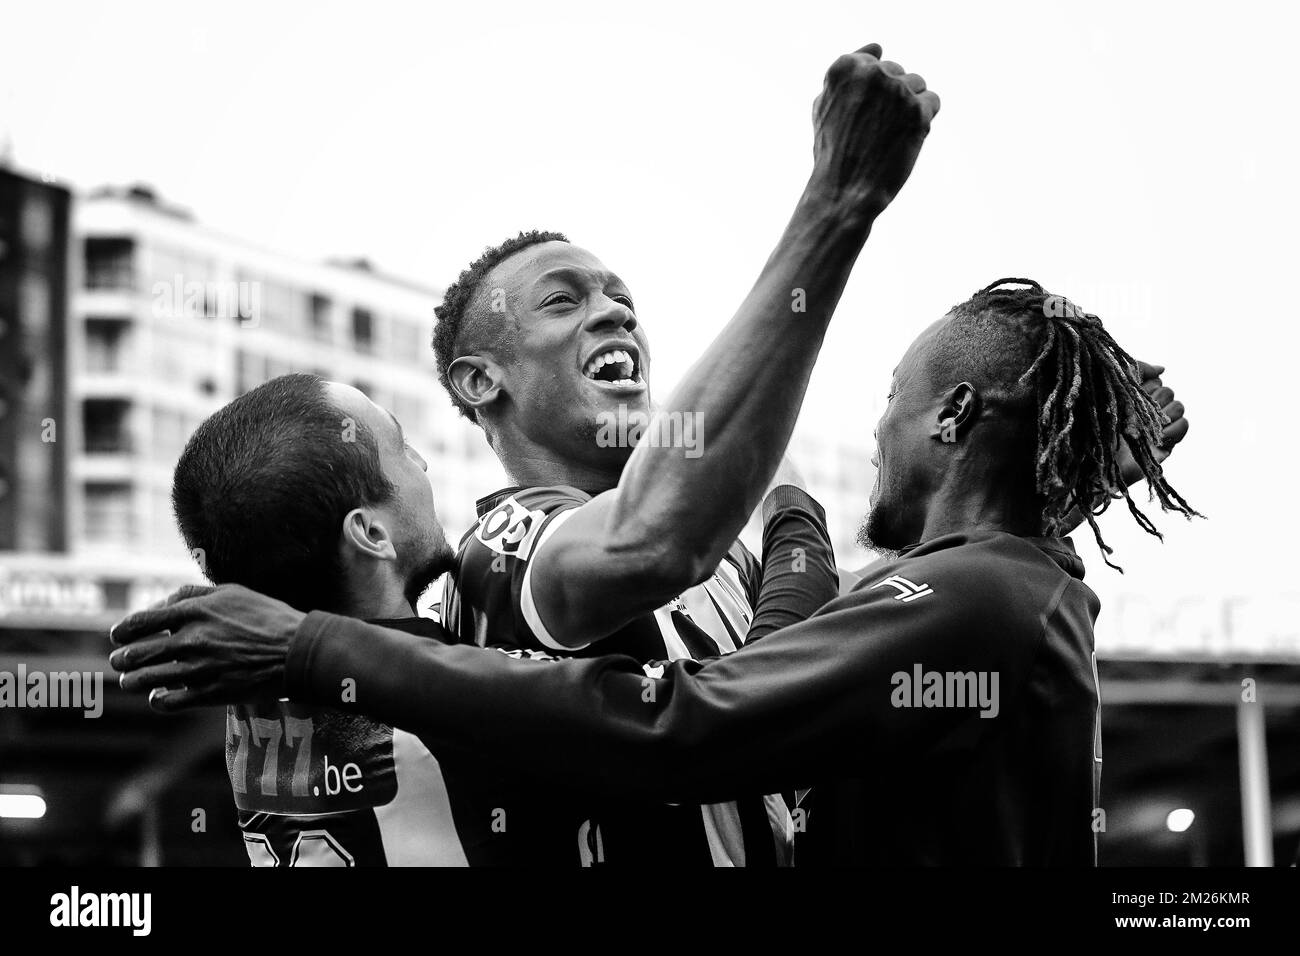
(1081, 393)
(264, 483)
(456, 312)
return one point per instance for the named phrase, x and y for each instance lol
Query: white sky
(1138, 157)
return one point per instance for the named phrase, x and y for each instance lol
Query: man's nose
(608, 314)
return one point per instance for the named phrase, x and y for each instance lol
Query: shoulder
(989, 582)
(983, 560)
(513, 521)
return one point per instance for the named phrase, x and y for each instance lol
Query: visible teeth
(611, 357)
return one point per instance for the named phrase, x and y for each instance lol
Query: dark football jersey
(316, 786)
(945, 711)
(489, 602)
(319, 786)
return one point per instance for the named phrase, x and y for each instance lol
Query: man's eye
(625, 300)
(557, 297)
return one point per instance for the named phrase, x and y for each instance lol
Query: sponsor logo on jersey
(907, 591)
(289, 758)
(510, 528)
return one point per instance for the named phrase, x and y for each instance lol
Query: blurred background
(194, 201)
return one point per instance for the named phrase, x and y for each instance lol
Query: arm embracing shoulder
(811, 700)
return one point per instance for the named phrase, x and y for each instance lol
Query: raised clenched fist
(869, 123)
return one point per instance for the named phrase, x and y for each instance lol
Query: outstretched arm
(672, 517)
(815, 699)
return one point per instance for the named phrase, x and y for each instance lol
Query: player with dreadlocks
(1074, 414)
(945, 711)
(1077, 465)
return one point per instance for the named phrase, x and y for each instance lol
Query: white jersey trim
(526, 602)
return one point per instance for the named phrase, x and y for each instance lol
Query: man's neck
(961, 506)
(533, 466)
(380, 604)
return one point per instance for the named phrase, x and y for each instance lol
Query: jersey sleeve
(798, 574)
(813, 701)
(488, 601)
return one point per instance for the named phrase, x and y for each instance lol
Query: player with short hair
(603, 542)
(540, 344)
(945, 711)
(307, 491)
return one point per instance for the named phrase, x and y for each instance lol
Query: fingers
(1174, 432)
(1149, 376)
(1162, 395)
(930, 101)
(181, 593)
(170, 674)
(1147, 371)
(189, 591)
(914, 82)
(168, 700)
(1173, 411)
(167, 617)
(149, 650)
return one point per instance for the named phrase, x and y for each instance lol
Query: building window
(37, 223)
(318, 318)
(363, 329)
(105, 345)
(108, 513)
(110, 264)
(180, 273)
(250, 306)
(104, 423)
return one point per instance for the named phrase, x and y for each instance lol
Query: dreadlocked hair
(1089, 397)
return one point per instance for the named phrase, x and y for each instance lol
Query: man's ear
(957, 413)
(476, 380)
(364, 534)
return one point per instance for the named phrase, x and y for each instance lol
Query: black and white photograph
(840, 435)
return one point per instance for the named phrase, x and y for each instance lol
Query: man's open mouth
(619, 367)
